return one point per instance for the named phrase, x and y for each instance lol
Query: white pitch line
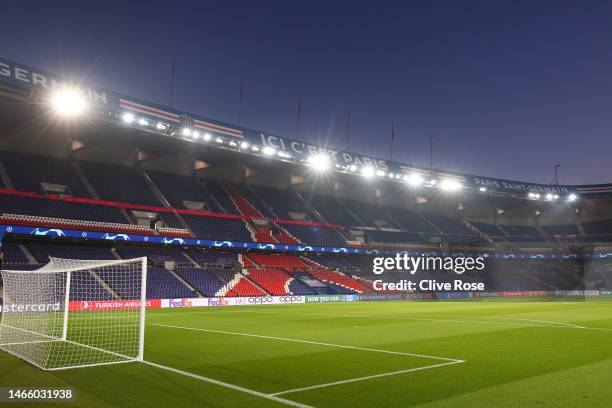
(310, 342)
(426, 319)
(533, 320)
(369, 377)
(228, 385)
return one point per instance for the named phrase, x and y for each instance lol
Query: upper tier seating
(214, 188)
(28, 171)
(119, 183)
(448, 225)
(283, 202)
(331, 210)
(368, 213)
(410, 220)
(253, 200)
(177, 188)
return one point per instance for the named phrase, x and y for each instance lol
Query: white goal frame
(37, 338)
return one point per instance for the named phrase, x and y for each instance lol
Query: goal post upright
(66, 306)
(143, 308)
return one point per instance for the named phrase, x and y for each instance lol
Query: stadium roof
(140, 120)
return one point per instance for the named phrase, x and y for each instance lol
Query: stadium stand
(177, 189)
(332, 210)
(119, 183)
(27, 172)
(284, 202)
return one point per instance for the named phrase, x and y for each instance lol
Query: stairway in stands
(263, 234)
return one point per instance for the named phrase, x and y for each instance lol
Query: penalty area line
(228, 385)
(369, 377)
(318, 343)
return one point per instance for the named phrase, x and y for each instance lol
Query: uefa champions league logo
(177, 241)
(227, 244)
(116, 237)
(55, 232)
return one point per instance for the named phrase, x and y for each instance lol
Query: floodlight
(196, 134)
(531, 195)
(232, 143)
(572, 197)
(255, 148)
(69, 102)
(450, 185)
(536, 196)
(320, 162)
(556, 197)
(482, 189)
(143, 122)
(414, 179)
(367, 172)
(219, 140)
(549, 196)
(128, 117)
(186, 132)
(207, 137)
(268, 151)
(353, 168)
(380, 173)
(161, 126)
(244, 145)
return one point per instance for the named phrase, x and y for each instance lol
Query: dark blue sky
(508, 88)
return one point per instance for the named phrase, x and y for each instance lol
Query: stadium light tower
(69, 102)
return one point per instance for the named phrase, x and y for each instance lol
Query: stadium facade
(227, 212)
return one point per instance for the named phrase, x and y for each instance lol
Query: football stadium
(232, 267)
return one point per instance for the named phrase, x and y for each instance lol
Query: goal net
(75, 313)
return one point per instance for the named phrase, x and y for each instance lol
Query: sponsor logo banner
(87, 305)
(324, 298)
(27, 308)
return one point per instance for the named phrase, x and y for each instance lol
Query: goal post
(75, 313)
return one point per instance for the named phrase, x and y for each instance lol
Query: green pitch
(444, 354)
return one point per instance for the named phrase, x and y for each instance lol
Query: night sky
(508, 89)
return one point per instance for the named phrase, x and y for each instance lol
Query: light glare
(69, 102)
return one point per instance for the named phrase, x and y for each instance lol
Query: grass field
(545, 354)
